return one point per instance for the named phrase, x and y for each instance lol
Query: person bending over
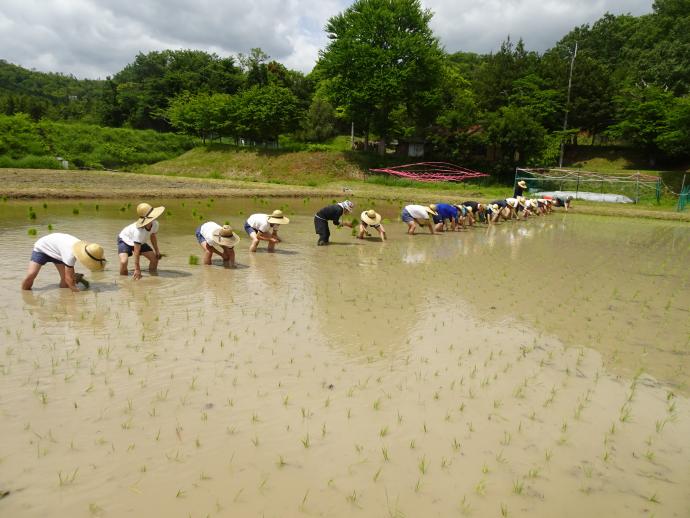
(264, 227)
(371, 218)
(218, 240)
(133, 240)
(63, 250)
(418, 215)
(331, 213)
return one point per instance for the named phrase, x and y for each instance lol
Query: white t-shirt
(131, 234)
(417, 211)
(207, 230)
(259, 222)
(58, 246)
(512, 202)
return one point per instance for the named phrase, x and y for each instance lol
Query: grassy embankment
(317, 171)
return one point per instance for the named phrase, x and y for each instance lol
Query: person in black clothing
(475, 211)
(519, 189)
(331, 213)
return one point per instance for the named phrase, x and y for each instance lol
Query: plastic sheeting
(584, 195)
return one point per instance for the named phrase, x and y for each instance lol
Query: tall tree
(138, 94)
(382, 57)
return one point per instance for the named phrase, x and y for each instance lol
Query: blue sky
(97, 38)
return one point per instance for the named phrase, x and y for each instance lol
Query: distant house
(411, 146)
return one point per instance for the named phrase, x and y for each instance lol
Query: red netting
(431, 172)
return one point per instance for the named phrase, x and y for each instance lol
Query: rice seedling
(423, 465)
(306, 442)
(384, 452)
(32, 232)
(480, 488)
(465, 507)
(377, 474)
(67, 478)
(352, 498)
(518, 486)
(193, 260)
(504, 510)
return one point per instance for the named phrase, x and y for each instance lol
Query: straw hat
(468, 209)
(522, 184)
(460, 207)
(370, 217)
(90, 255)
(494, 207)
(512, 202)
(277, 218)
(225, 236)
(147, 214)
(431, 209)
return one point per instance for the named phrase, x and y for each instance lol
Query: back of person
(446, 211)
(58, 246)
(132, 234)
(330, 212)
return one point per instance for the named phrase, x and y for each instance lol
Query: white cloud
(96, 38)
(481, 25)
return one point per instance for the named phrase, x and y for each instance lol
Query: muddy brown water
(536, 368)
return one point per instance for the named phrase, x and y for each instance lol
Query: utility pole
(352, 135)
(567, 105)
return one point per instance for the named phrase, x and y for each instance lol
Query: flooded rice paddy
(536, 368)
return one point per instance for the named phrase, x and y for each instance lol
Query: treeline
(385, 72)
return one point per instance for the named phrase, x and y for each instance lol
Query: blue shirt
(446, 211)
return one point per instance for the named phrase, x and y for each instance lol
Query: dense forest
(386, 74)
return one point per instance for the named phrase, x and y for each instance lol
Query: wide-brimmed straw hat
(495, 207)
(522, 184)
(225, 236)
(277, 218)
(468, 209)
(90, 255)
(147, 214)
(431, 209)
(370, 217)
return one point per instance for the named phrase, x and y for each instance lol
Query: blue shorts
(406, 216)
(42, 258)
(199, 237)
(124, 248)
(248, 229)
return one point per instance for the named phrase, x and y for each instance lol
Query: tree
(201, 115)
(518, 138)
(319, 122)
(495, 77)
(262, 114)
(675, 141)
(382, 56)
(138, 94)
(643, 115)
(455, 130)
